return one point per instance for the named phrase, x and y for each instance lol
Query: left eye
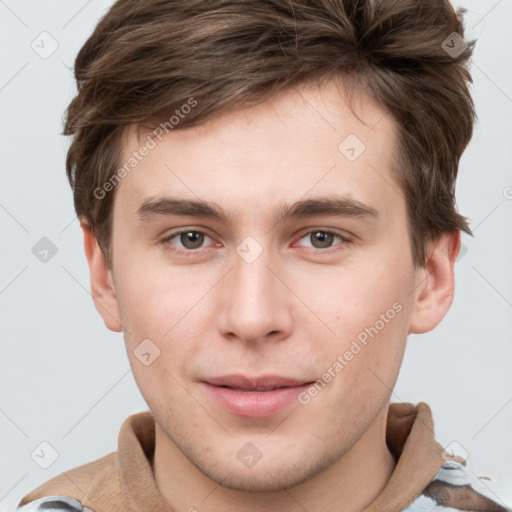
(322, 239)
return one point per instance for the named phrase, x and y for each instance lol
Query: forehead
(305, 140)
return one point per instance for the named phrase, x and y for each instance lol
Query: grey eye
(321, 239)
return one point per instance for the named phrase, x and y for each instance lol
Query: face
(303, 282)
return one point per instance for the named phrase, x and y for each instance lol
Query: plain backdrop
(65, 379)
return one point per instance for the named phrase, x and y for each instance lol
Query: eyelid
(314, 229)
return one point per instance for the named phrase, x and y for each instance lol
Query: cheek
(151, 299)
(350, 298)
(163, 312)
(367, 309)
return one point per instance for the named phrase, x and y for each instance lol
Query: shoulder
(456, 487)
(54, 504)
(68, 490)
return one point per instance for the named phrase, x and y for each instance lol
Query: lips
(254, 397)
(263, 383)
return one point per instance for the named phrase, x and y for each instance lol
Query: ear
(102, 283)
(435, 283)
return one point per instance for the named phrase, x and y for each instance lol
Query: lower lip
(255, 404)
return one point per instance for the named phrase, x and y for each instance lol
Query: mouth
(255, 397)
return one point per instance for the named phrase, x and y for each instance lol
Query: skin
(290, 312)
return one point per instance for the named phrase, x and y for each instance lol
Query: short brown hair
(147, 58)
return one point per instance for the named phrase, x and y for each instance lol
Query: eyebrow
(339, 206)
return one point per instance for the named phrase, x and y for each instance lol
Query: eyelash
(192, 252)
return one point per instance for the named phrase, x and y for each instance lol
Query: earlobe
(435, 283)
(102, 284)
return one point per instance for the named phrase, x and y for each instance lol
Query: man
(266, 192)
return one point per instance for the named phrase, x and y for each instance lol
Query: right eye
(190, 239)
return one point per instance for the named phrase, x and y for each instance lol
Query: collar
(124, 481)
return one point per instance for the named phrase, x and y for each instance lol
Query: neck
(350, 484)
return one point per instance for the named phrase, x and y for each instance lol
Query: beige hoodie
(424, 478)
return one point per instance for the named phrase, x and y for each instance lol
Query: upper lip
(261, 383)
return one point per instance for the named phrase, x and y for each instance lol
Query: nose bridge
(251, 273)
(253, 302)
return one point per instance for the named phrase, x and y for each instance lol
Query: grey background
(65, 378)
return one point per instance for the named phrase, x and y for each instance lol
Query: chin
(268, 476)
(261, 481)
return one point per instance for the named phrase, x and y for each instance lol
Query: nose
(254, 303)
